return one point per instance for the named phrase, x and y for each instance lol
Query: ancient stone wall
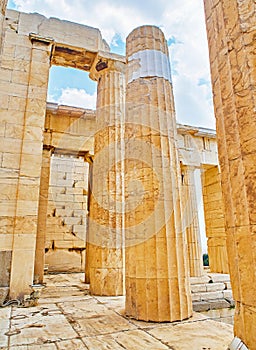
(66, 215)
(32, 43)
(24, 80)
(70, 129)
(24, 71)
(231, 37)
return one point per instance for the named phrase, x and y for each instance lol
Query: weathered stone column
(29, 172)
(3, 4)
(214, 220)
(42, 215)
(231, 36)
(87, 252)
(157, 287)
(105, 258)
(190, 218)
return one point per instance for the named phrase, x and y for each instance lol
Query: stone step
(205, 296)
(219, 277)
(211, 278)
(200, 280)
(212, 296)
(208, 287)
(200, 306)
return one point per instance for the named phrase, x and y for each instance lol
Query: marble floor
(67, 317)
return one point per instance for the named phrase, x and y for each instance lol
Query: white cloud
(75, 97)
(183, 20)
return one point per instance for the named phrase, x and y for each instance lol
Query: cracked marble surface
(67, 317)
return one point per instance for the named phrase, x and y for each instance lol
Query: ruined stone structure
(231, 36)
(138, 174)
(68, 129)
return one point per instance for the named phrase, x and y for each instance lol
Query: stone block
(199, 306)
(227, 294)
(5, 268)
(219, 277)
(64, 198)
(218, 304)
(61, 260)
(215, 287)
(197, 288)
(69, 220)
(209, 295)
(199, 280)
(11, 161)
(27, 208)
(196, 297)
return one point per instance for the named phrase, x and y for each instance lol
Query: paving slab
(206, 334)
(129, 340)
(39, 326)
(5, 314)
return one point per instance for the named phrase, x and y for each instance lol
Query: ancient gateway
(128, 165)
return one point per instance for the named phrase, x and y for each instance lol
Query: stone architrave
(156, 277)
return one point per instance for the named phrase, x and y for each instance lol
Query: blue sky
(184, 28)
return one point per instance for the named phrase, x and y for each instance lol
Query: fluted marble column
(190, 218)
(214, 220)
(105, 236)
(157, 287)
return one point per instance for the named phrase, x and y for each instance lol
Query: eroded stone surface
(231, 38)
(93, 323)
(156, 278)
(189, 336)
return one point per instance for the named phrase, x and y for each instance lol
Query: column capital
(42, 43)
(49, 148)
(105, 62)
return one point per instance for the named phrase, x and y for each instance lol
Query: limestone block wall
(66, 214)
(24, 72)
(70, 129)
(231, 37)
(214, 220)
